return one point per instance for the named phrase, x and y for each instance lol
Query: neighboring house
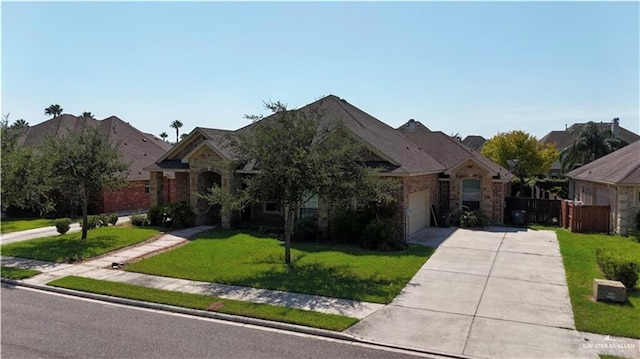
(612, 180)
(474, 142)
(136, 148)
(564, 139)
(433, 169)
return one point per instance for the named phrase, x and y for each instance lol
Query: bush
(615, 268)
(179, 215)
(638, 220)
(113, 219)
(155, 215)
(103, 220)
(468, 218)
(93, 222)
(306, 229)
(139, 220)
(63, 225)
(380, 234)
(345, 226)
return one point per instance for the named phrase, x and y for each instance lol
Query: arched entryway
(208, 214)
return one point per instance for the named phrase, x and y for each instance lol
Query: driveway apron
(495, 293)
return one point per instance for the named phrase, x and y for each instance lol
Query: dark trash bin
(519, 217)
(445, 220)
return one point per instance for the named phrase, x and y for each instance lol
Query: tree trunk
(85, 205)
(289, 213)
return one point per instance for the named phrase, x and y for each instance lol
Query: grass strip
(17, 273)
(197, 301)
(8, 225)
(60, 248)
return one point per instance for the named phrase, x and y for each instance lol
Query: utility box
(609, 290)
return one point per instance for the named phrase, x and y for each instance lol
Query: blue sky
(467, 68)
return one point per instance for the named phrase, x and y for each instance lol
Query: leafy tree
(164, 136)
(20, 123)
(183, 136)
(25, 174)
(85, 163)
(590, 144)
(88, 114)
(297, 159)
(53, 110)
(177, 124)
(521, 153)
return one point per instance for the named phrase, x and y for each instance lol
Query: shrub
(92, 222)
(139, 220)
(380, 234)
(179, 215)
(103, 220)
(113, 219)
(345, 226)
(306, 229)
(615, 268)
(155, 215)
(63, 225)
(469, 218)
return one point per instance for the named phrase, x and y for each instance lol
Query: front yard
(255, 260)
(69, 246)
(578, 253)
(9, 225)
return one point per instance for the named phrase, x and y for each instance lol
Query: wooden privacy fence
(539, 211)
(585, 219)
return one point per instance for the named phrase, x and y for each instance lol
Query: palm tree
(88, 114)
(591, 144)
(176, 124)
(53, 110)
(164, 136)
(20, 123)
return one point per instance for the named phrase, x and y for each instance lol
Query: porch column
(156, 187)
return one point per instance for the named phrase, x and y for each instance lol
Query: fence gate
(539, 211)
(586, 219)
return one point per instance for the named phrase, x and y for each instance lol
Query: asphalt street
(39, 324)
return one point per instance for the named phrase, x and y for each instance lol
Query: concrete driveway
(495, 293)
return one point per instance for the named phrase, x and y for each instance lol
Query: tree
(521, 153)
(25, 174)
(297, 159)
(590, 144)
(53, 110)
(20, 123)
(88, 114)
(85, 163)
(164, 136)
(177, 124)
(183, 136)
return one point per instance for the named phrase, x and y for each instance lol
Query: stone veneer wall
(408, 185)
(628, 206)
(492, 196)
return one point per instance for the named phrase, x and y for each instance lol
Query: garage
(418, 213)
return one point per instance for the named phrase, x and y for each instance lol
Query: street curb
(226, 317)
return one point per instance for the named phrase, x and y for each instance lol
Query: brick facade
(135, 196)
(410, 185)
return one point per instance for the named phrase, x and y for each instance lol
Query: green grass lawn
(253, 260)
(60, 248)
(203, 302)
(9, 225)
(17, 273)
(578, 254)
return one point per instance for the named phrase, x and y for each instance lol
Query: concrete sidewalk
(100, 268)
(497, 293)
(20, 236)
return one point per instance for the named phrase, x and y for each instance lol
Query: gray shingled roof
(136, 147)
(564, 139)
(474, 142)
(619, 167)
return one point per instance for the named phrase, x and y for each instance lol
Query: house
(136, 148)
(612, 180)
(434, 170)
(564, 139)
(474, 142)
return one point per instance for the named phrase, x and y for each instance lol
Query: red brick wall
(182, 187)
(133, 197)
(410, 185)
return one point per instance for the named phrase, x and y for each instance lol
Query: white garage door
(418, 216)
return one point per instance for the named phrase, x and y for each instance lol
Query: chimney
(411, 124)
(615, 127)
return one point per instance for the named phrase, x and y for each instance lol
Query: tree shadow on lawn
(61, 249)
(331, 281)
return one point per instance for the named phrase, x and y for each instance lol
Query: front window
(310, 208)
(471, 193)
(272, 207)
(147, 187)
